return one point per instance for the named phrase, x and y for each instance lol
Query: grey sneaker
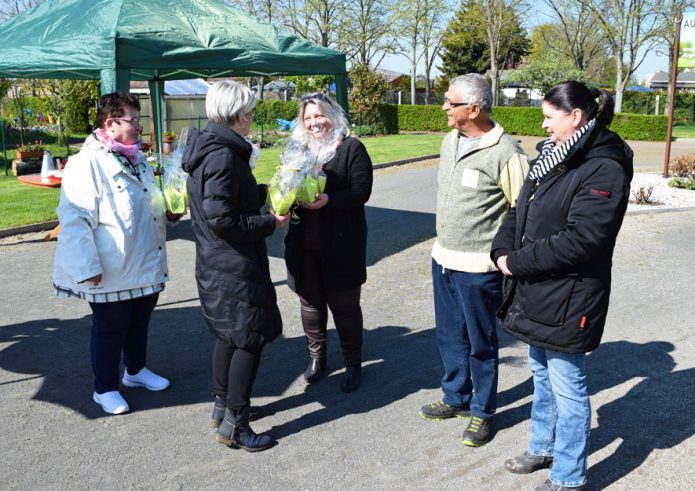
(440, 410)
(478, 433)
(549, 486)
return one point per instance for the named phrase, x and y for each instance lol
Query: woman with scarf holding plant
(112, 247)
(326, 248)
(556, 249)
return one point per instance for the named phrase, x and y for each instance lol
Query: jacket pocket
(545, 299)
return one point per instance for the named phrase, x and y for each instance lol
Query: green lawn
(684, 130)
(21, 205)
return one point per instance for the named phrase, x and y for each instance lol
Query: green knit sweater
(474, 196)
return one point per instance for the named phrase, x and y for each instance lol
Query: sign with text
(686, 53)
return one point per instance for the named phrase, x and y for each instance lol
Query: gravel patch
(663, 197)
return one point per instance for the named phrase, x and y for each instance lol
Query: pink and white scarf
(130, 151)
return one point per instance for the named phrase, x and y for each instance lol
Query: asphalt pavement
(642, 378)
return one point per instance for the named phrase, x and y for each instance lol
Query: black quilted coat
(236, 293)
(559, 240)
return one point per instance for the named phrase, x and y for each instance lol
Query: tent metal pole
(115, 80)
(157, 110)
(341, 92)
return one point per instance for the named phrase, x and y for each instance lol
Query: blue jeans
(560, 414)
(466, 327)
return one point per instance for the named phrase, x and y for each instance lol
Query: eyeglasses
(318, 96)
(133, 121)
(457, 104)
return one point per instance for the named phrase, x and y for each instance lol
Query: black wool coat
(559, 241)
(236, 293)
(343, 225)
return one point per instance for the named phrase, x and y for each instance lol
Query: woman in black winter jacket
(236, 293)
(556, 249)
(326, 249)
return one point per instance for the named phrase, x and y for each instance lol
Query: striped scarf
(552, 154)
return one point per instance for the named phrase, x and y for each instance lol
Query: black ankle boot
(235, 432)
(314, 370)
(218, 411)
(353, 378)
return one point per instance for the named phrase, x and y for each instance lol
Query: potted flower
(30, 151)
(167, 140)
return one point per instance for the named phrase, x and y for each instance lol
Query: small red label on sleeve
(601, 192)
(582, 323)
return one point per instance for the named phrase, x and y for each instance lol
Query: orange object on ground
(40, 182)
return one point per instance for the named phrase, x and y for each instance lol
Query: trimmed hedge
(526, 121)
(268, 111)
(392, 118)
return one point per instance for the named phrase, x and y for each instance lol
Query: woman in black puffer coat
(236, 293)
(556, 250)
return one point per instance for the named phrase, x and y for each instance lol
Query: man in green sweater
(481, 170)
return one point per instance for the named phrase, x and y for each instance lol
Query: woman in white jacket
(111, 249)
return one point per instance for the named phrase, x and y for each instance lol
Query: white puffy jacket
(109, 224)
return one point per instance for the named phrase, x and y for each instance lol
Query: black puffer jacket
(236, 292)
(559, 240)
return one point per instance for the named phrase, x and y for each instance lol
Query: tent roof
(155, 40)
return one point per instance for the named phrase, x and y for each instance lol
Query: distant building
(659, 80)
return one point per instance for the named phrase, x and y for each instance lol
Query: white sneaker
(111, 402)
(145, 378)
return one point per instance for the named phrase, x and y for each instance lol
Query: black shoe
(218, 411)
(549, 486)
(478, 433)
(440, 410)
(353, 378)
(314, 370)
(235, 432)
(527, 463)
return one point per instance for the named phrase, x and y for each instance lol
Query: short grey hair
(329, 108)
(474, 89)
(228, 100)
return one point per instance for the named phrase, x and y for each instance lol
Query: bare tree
(499, 16)
(366, 35)
(667, 35)
(586, 45)
(431, 32)
(409, 19)
(631, 29)
(10, 8)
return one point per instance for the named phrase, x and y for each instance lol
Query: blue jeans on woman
(466, 328)
(560, 414)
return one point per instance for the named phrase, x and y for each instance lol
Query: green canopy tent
(155, 40)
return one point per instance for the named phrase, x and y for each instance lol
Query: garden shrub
(527, 121)
(683, 165)
(640, 127)
(267, 111)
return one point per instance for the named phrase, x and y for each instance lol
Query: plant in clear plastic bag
(174, 179)
(300, 177)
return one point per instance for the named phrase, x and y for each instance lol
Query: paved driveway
(54, 437)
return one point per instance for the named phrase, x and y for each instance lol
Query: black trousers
(315, 301)
(119, 327)
(233, 373)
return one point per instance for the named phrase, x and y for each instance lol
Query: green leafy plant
(682, 182)
(362, 130)
(368, 87)
(37, 146)
(168, 134)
